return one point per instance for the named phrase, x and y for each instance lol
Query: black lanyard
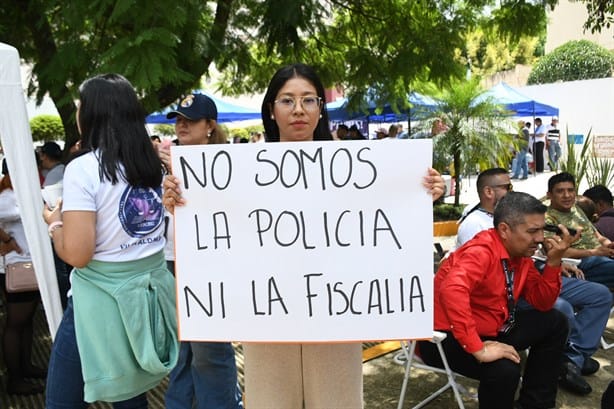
(509, 288)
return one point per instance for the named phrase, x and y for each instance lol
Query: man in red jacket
(476, 290)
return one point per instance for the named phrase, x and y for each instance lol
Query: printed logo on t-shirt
(140, 210)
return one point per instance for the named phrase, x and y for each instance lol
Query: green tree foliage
(240, 132)
(473, 134)
(574, 60)
(600, 14)
(165, 47)
(47, 128)
(254, 128)
(488, 53)
(164, 129)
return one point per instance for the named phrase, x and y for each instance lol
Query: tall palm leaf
(476, 136)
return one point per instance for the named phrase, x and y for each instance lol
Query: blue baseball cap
(195, 107)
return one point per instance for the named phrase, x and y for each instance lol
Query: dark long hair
(321, 133)
(112, 121)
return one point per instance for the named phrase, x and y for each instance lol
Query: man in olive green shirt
(595, 250)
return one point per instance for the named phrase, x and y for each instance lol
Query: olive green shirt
(575, 218)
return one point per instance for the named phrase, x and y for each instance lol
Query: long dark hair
(112, 121)
(321, 133)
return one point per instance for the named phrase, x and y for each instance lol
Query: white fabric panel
(19, 151)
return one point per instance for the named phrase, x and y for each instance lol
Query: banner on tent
(309, 242)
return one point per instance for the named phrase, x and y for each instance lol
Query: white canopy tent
(18, 149)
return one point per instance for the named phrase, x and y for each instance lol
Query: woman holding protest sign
(300, 375)
(118, 335)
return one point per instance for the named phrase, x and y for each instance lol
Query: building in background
(566, 23)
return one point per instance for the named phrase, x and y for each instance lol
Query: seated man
(476, 290)
(602, 197)
(587, 206)
(585, 304)
(593, 249)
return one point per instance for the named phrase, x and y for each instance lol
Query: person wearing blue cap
(206, 373)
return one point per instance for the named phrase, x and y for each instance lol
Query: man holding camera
(476, 291)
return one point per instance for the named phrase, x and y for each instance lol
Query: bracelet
(54, 226)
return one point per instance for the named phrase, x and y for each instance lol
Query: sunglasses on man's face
(507, 186)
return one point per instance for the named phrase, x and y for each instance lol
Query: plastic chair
(407, 357)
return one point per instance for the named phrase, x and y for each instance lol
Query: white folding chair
(407, 357)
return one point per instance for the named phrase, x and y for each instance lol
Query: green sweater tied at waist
(126, 326)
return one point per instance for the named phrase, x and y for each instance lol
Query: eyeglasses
(507, 186)
(309, 103)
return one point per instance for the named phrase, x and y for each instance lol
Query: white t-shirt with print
(129, 220)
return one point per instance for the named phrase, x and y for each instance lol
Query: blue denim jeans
(554, 152)
(215, 375)
(587, 308)
(64, 376)
(205, 378)
(180, 393)
(598, 269)
(521, 165)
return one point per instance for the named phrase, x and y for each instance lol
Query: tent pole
(534, 146)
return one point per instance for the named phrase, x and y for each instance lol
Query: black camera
(555, 229)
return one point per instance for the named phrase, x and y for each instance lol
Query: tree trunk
(457, 174)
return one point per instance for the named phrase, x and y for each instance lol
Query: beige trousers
(297, 376)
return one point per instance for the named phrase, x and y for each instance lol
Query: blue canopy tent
(519, 104)
(338, 110)
(226, 112)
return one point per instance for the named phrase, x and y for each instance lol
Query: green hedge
(445, 211)
(575, 60)
(47, 128)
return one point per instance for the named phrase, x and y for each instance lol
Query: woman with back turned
(117, 338)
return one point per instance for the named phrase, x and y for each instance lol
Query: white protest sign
(304, 242)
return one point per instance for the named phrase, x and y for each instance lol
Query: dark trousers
(538, 156)
(545, 333)
(62, 272)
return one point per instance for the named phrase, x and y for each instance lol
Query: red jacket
(470, 290)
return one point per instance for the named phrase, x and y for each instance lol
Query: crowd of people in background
(534, 146)
(503, 289)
